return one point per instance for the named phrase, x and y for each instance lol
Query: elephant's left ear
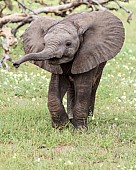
(103, 37)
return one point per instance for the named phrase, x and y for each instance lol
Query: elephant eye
(68, 43)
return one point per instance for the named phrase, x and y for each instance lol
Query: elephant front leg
(58, 114)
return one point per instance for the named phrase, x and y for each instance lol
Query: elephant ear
(102, 35)
(33, 41)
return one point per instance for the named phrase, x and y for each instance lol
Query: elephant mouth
(59, 60)
(53, 60)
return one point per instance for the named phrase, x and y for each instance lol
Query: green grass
(27, 140)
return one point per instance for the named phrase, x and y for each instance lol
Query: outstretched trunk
(41, 56)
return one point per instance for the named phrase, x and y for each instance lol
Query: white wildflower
(15, 155)
(119, 100)
(27, 79)
(15, 76)
(5, 83)
(10, 73)
(8, 99)
(20, 75)
(38, 159)
(123, 97)
(43, 77)
(93, 118)
(68, 163)
(119, 75)
(60, 159)
(126, 67)
(130, 51)
(33, 99)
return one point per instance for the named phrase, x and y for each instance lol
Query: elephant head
(87, 39)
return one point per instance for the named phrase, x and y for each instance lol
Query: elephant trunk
(43, 55)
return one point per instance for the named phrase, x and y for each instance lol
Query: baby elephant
(75, 50)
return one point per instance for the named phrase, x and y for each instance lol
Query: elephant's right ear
(33, 40)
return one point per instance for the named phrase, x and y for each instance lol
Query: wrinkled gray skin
(75, 50)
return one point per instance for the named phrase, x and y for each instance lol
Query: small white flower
(38, 159)
(5, 83)
(126, 67)
(43, 77)
(60, 159)
(20, 75)
(10, 73)
(134, 99)
(15, 155)
(116, 118)
(119, 75)
(123, 97)
(93, 118)
(33, 99)
(15, 76)
(119, 100)
(130, 51)
(8, 99)
(68, 163)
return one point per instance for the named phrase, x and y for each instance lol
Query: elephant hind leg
(95, 86)
(70, 100)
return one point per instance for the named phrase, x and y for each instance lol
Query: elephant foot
(81, 129)
(59, 121)
(79, 124)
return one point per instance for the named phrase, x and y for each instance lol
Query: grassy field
(27, 140)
